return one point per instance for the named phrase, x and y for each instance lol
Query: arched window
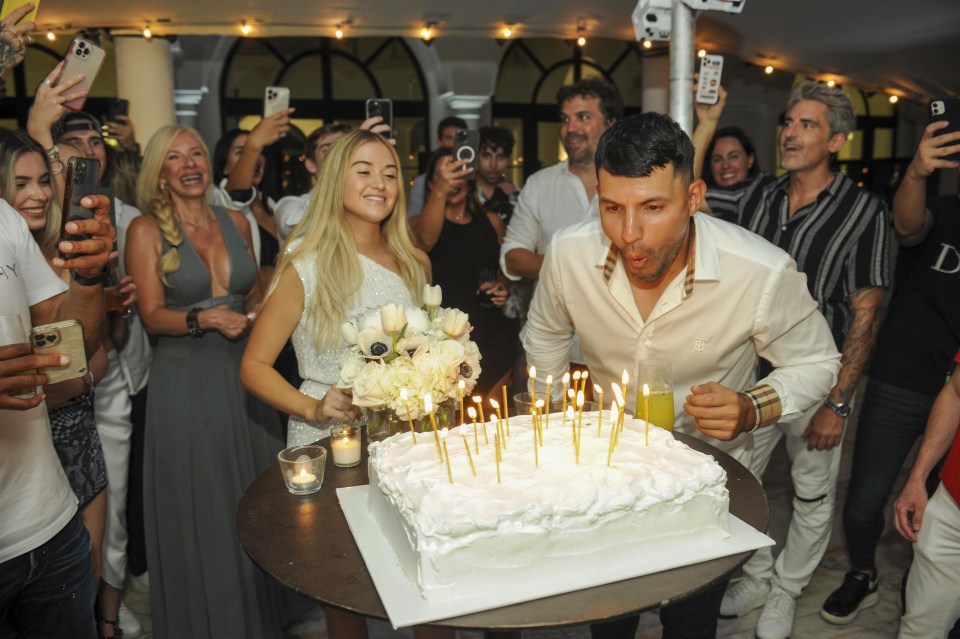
(532, 70)
(329, 80)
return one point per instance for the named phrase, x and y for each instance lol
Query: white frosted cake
(552, 518)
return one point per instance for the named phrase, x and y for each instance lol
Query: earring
(163, 187)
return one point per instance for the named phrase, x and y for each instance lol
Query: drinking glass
(658, 407)
(11, 332)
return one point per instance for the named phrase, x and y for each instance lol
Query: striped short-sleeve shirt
(841, 240)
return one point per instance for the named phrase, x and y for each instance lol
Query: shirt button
(783, 228)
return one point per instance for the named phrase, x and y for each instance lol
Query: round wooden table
(304, 542)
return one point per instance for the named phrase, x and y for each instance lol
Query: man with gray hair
(839, 235)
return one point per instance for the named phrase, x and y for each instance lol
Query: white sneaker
(139, 583)
(776, 620)
(743, 596)
(129, 623)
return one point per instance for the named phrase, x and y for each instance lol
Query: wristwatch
(840, 408)
(193, 323)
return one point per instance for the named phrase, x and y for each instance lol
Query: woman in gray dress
(206, 438)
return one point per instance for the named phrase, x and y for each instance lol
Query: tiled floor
(881, 621)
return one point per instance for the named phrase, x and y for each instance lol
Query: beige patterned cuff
(766, 404)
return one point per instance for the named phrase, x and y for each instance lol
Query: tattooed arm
(14, 37)
(826, 428)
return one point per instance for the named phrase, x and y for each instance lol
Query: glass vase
(383, 422)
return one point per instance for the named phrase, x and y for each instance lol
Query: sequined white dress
(321, 369)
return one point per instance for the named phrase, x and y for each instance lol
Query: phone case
(275, 99)
(83, 174)
(382, 107)
(85, 57)
(63, 338)
(465, 147)
(117, 106)
(946, 109)
(12, 5)
(708, 86)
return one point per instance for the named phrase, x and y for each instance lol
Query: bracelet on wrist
(56, 163)
(83, 280)
(193, 323)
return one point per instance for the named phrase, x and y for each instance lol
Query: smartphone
(9, 6)
(82, 177)
(117, 107)
(85, 57)
(466, 144)
(62, 338)
(275, 99)
(946, 109)
(708, 86)
(382, 107)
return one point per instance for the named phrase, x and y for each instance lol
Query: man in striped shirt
(839, 235)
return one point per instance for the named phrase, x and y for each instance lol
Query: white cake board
(406, 607)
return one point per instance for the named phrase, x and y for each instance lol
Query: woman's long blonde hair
(14, 144)
(323, 235)
(155, 201)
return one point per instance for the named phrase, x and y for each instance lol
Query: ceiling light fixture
(581, 29)
(51, 36)
(245, 28)
(647, 44)
(506, 31)
(339, 32)
(831, 83)
(768, 69)
(894, 99)
(147, 33)
(702, 53)
(428, 33)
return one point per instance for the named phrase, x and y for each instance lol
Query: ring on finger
(47, 82)
(28, 39)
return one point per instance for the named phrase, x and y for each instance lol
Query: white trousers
(814, 475)
(112, 405)
(933, 587)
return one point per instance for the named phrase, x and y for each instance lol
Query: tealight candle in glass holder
(302, 468)
(345, 445)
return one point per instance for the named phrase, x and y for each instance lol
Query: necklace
(195, 223)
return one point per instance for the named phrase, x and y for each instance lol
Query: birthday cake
(555, 510)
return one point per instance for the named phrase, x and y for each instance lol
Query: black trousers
(693, 618)
(136, 545)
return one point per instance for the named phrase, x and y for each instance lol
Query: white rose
(348, 331)
(373, 343)
(349, 370)
(455, 322)
(417, 321)
(368, 388)
(471, 350)
(392, 317)
(430, 372)
(432, 296)
(450, 354)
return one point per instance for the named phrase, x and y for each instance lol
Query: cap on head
(75, 121)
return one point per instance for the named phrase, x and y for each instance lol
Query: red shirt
(950, 474)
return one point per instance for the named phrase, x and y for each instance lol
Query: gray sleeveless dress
(206, 441)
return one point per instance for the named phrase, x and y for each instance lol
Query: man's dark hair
(611, 104)
(635, 146)
(495, 137)
(450, 121)
(311, 144)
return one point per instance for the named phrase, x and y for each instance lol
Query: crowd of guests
(227, 305)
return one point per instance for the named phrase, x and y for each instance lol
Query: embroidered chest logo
(699, 345)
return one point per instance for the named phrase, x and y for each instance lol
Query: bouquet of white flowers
(420, 350)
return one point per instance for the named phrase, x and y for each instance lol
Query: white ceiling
(908, 46)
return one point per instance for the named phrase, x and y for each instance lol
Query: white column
(683, 20)
(145, 77)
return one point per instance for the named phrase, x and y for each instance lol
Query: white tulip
(432, 296)
(348, 331)
(392, 317)
(417, 321)
(455, 322)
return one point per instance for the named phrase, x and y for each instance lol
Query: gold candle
(566, 383)
(496, 439)
(496, 407)
(479, 402)
(539, 412)
(613, 432)
(579, 425)
(428, 406)
(547, 414)
(461, 386)
(469, 454)
(406, 407)
(446, 455)
(506, 407)
(573, 428)
(536, 446)
(533, 385)
(583, 381)
(599, 391)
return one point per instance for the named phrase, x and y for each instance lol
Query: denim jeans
(48, 592)
(891, 420)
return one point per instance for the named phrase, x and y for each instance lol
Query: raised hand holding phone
(83, 57)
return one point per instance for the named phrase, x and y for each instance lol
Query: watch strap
(193, 323)
(840, 408)
(91, 281)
